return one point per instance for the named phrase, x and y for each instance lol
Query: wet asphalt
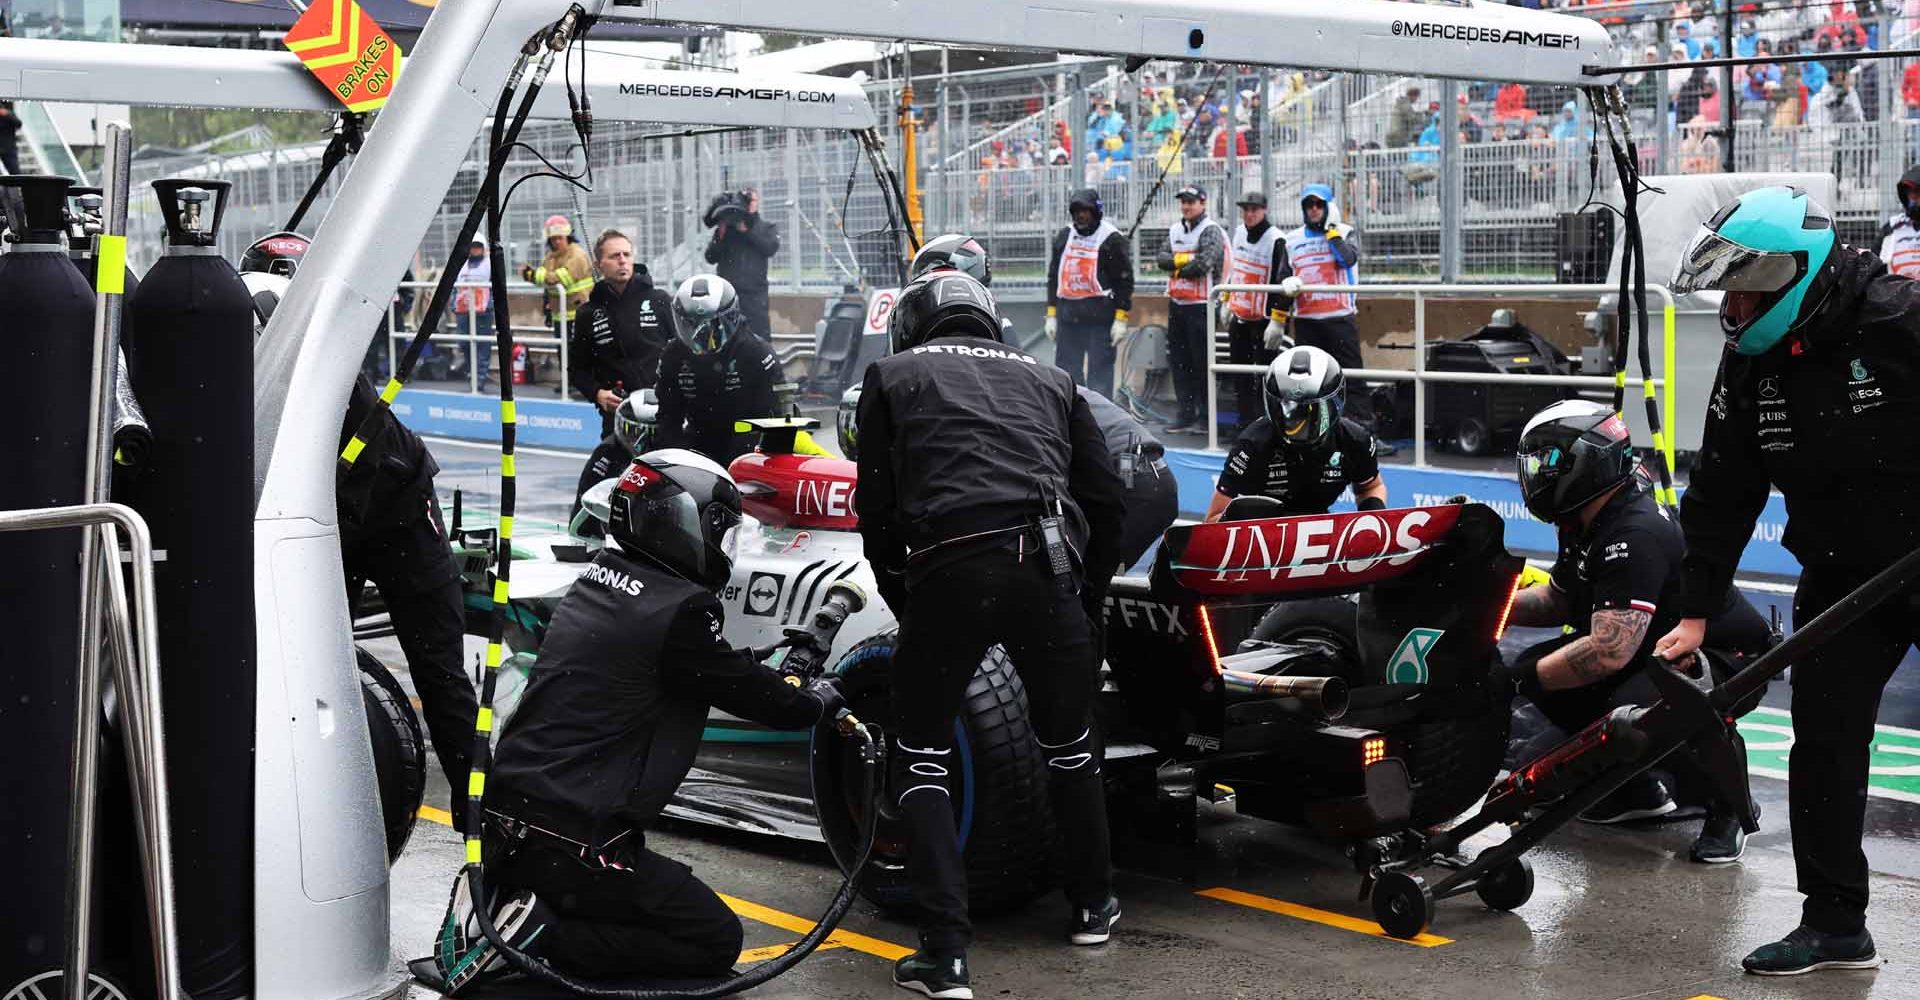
(1258, 910)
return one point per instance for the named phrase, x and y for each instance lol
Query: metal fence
(1443, 180)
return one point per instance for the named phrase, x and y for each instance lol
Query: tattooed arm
(1610, 645)
(1538, 607)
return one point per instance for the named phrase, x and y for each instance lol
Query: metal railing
(1420, 376)
(397, 339)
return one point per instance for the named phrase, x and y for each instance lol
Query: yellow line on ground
(752, 955)
(1327, 917)
(1706, 996)
(764, 914)
(801, 925)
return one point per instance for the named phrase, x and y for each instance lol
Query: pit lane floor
(1258, 910)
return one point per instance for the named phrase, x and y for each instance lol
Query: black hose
(870, 757)
(346, 140)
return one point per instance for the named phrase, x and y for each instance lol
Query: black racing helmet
(1305, 392)
(942, 303)
(955, 250)
(706, 313)
(680, 511)
(275, 253)
(635, 420)
(1570, 453)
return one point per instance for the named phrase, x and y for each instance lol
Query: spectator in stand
(1166, 117)
(1710, 48)
(1104, 122)
(1219, 148)
(1541, 163)
(1789, 107)
(1693, 90)
(1910, 94)
(1470, 124)
(1710, 101)
(1510, 104)
(1567, 126)
(1747, 43)
(1837, 103)
(1813, 74)
(1843, 29)
(1699, 151)
(472, 307)
(1640, 85)
(1057, 155)
(1200, 136)
(1407, 120)
(1683, 35)
(1760, 79)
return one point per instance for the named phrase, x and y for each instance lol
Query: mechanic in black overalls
(714, 374)
(979, 467)
(1152, 497)
(1617, 584)
(1303, 453)
(618, 335)
(1818, 396)
(391, 536)
(605, 733)
(633, 424)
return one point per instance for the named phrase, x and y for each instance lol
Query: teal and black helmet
(1766, 250)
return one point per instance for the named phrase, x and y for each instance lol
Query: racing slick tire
(1451, 760)
(399, 750)
(1001, 806)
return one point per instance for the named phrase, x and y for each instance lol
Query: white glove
(1052, 327)
(1119, 331)
(1290, 286)
(1277, 339)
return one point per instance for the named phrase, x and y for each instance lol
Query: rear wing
(1309, 555)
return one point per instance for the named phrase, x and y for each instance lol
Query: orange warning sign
(348, 51)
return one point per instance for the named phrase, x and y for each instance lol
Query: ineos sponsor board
(1314, 552)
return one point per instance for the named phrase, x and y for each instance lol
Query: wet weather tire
(399, 751)
(1331, 620)
(1507, 887)
(1001, 808)
(1402, 904)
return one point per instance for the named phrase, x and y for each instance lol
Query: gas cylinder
(189, 345)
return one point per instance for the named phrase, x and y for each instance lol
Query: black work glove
(1522, 676)
(1458, 498)
(830, 690)
(762, 653)
(892, 584)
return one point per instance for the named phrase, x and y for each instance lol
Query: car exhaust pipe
(1325, 696)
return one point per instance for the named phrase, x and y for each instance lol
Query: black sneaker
(1637, 799)
(462, 953)
(1808, 950)
(1095, 926)
(943, 977)
(1721, 839)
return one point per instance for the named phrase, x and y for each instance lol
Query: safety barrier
(1420, 376)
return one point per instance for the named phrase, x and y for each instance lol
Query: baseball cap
(1191, 191)
(1253, 198)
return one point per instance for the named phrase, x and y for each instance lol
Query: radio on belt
(1054, 536)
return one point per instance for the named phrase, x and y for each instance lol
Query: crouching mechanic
(632, 434)
(714, 374)
(1617, 583)
(1818, 395)
(605, 733)
(991, 514)
(1303, 453)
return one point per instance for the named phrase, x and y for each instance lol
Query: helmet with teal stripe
(1766, 250)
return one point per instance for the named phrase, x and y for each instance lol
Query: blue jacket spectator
(1567, 126)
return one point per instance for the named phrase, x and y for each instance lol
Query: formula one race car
(1359, 727)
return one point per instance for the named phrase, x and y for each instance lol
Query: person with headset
(990, 511)
(1303, 452)
(606, 731)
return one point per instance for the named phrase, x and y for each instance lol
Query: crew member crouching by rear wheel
(1617, 583)
(633, 425)
(606, 732)
(1302, 453)
(991, 514)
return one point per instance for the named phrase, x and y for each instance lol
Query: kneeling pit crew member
(633, 426)
(606, 732)
(1617, 583)
(715, 374)
(1303, 453)
(991, 512)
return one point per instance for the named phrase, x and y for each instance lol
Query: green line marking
(1893, 770)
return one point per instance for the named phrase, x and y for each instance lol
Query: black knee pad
(922, 770)
(1073, 758)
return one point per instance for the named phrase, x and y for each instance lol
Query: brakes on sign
(346, 49)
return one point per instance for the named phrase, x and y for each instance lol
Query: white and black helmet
(958, 251)
(847, 421)
(1570, 453)
(1305, 393)
(635, 418)
(706, 313)
(679, 510)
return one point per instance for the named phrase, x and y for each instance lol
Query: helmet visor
(1304, 420)
(1540, 465)
(1714, 263)
(703, 334)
